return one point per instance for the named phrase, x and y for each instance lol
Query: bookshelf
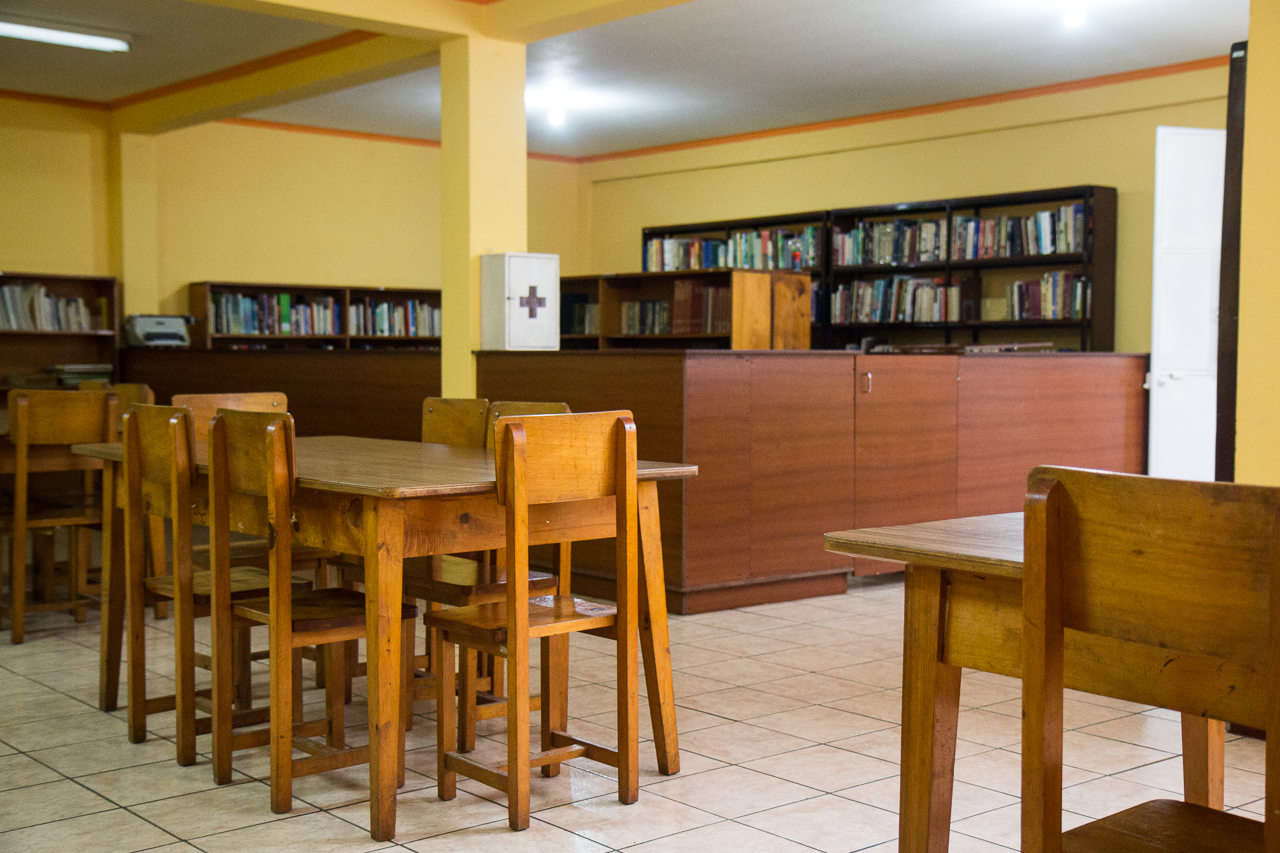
(945, 271)
(56, 319)
(792, 242)
(695, 309)
(236, 316)
(1000, 268)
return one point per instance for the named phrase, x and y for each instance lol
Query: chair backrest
(158, 471)
(61, 417)
(204, 406)
(514, 409)
(460, 421)
(246, 443)
(558, 458)
(1164, 591)
(127, 393)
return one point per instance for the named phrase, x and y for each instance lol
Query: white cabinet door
(1184, 302)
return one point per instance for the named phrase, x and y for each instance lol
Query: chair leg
(446, 716)
(17, 585)
(155, 531)
(285, 688)
(352, 652)
(135, 638)
(241, 669)
(44, 559)
(467, 701)
(518, 735)
(77, 570)
(295, 686)
(406, 673)
(184, 667)
(554, 653)
(335, 655)
(223, 697)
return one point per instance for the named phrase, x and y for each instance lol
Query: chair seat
(58, 514)
(246, 582)
(1166, 826)
(318, 610)
(548, 615)
(461, 582)
(254, 552)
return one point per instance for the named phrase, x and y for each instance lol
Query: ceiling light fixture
(556, 117)
(68, 38)
(1075, 17)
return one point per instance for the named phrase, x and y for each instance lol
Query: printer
(157, 330)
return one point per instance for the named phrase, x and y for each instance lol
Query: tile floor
(788, 717)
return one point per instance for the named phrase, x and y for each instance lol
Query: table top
(990, 544)
(378, 467)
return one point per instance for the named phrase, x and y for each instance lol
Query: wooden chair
(508, 408)
(548, 459)
(251, 458)
(461, 421)
(158, 474)
(1162, 592)
(43, 419)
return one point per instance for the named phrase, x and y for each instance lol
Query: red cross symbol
(533, 301)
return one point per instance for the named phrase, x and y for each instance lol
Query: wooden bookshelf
(237, 316)
(58, 339)
(914, 244)
(697, 309)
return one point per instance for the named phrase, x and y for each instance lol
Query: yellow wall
(1104, 135)
(53, 189)
(265, 205)
(1258, 392)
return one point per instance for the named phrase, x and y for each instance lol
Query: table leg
(111, 630)
(655, 642)
(930, 706)
(1203, 745)
(383, 582)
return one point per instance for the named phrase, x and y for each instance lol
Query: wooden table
(964, 609)
(387, 500)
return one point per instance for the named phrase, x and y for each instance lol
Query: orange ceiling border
(54, 100)
(244, 69)
(927, 109)
(328, 131)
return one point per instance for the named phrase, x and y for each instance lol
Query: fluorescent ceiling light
(48, 35)
(1074, 17)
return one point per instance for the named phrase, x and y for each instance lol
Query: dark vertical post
(1229, 274)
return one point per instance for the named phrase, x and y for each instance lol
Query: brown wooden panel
(375, 394)
(802, 460)
(905, 438)
(752, 310)
(1017, 412)
(792, 309)
(717, 517)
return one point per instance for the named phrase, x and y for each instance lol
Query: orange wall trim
(54, 100)
(328, 131)
(928, 109)
(246, 68)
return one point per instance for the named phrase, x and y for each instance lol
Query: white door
(1184, 302)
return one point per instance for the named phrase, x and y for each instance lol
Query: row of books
(646, 317)
(1057, 295)
(274, 314)
(31, 308)
(579, 315)
(764, 249)
(902, 241)
(408, 319)
(1046, 232)
(701, 309)
(902, 299)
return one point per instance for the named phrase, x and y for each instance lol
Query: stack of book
(701, 309)
(274, 314)
(1057, 295)
(646, 317)
(579, 315)
(31, 308)
(900, 241)
(901, 299)
(757, 249)
(1046, 232)
(410, 318)
(685, 253)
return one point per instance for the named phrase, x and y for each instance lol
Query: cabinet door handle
(867, 388)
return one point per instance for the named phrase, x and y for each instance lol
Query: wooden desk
(964, 609)
(387, 500)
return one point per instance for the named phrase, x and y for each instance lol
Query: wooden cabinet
(715, 309)
(57, 319)
(791, 445)
(231, 316)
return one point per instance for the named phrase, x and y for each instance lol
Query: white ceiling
(698, 70)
